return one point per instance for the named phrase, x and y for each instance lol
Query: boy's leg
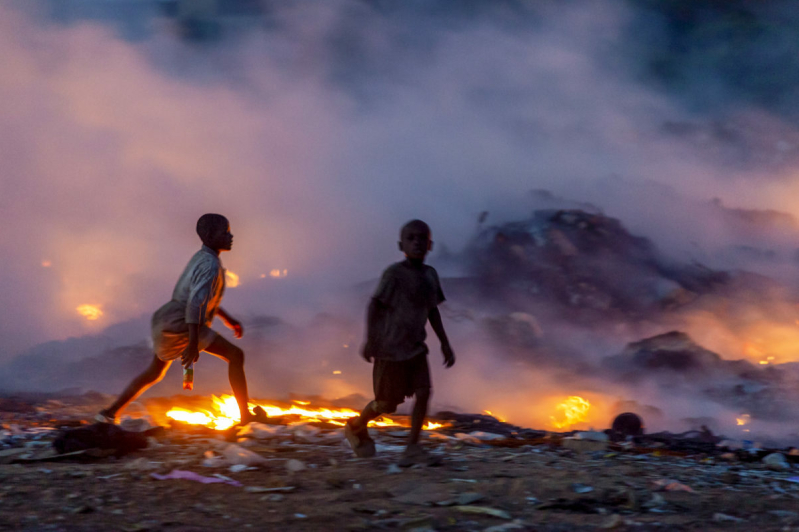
(154, 373)
(234, 356)
(418, 415)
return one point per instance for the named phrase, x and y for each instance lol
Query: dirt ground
(493, 486)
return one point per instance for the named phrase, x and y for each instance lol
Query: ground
(528, 485)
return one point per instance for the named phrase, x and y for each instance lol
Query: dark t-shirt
(409, 293)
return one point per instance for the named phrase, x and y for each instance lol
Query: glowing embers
(278, 273)
(570, 412)
(231, 279)
(743, 420)
(224, 413)
(90, 312)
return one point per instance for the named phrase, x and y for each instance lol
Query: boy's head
(415, 239)
(214, 231)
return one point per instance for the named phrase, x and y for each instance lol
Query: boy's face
(220, 239)
(415, 242)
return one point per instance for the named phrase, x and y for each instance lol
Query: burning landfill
(155, 469)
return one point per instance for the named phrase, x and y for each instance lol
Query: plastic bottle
(188, 377)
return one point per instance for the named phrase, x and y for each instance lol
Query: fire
(743, 420)
(574, 410)
(490, 413)
(225, 414)
(278, 273)
(90, 312)
(231, 279)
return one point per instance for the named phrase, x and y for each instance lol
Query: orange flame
(231, 279)
(574, 410)
(90, 312)
(278, 273)
(225, 414)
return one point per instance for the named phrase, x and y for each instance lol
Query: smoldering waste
(303, 476)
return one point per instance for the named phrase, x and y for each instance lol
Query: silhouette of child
(406, 298)
(181, 327)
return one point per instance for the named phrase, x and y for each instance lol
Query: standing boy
(406, 298)
(181, 328)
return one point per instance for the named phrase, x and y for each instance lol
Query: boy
(406, 298)
(180, 328)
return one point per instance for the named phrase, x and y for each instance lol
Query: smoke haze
(319, 128)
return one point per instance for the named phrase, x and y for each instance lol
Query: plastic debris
(777, 462)
(294, 465)
(591, 435)
(671, 485)
(178, 474)
(486, 436)
(581, 488)
(236, 454)
(485, 510)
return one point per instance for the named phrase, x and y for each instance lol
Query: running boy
(181, 328)
(406, 298)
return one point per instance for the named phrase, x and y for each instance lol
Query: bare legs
(234, 356)
(154, 373)
(220, 348)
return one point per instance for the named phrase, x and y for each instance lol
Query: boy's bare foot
(104, 416)
(416, 454)
(362, 444)
(257, 415)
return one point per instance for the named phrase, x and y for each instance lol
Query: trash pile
(586, 263)
(490, 475)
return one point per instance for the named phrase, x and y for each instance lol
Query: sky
(319, 128)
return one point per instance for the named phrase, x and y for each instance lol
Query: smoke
(319, 128)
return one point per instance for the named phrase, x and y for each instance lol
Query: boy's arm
(191, 354)
(230, 322)
(438, 327)
(374, 315)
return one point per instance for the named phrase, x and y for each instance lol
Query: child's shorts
(395, 380)
(169, 346)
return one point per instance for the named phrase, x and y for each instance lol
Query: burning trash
(223, 413)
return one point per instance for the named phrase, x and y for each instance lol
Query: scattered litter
(258, 489)
(393, 469)
(485, 510)
(581, 488)
(486, 436)
(300, 516)
(178, 474)
(720, 517)
(294, 465)
(238, 455)
(777, 462)
(238, 468)
(671, 485)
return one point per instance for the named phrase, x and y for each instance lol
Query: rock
(777, 462)
(469, 497)
(293, 465)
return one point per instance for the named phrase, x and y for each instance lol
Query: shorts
(170, 345)
(395, 380)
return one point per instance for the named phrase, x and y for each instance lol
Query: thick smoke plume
(319, 128)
